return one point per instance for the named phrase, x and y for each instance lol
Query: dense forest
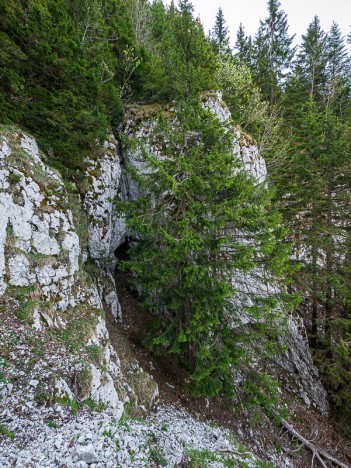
(69, 69)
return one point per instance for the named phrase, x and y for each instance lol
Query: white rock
(106, 174)
(5, 150)
(33, 383)
(36, 321)
(87, 454)
(19, 269)
(102, 388)
(62, 389)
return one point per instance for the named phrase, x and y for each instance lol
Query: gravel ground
(53, 437)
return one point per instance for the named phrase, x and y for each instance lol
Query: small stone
(82, 464)
(34, 383)
(87, 454)
(58, 443)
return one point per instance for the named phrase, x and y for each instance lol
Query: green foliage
(201, 458)
(202, 221)
(312, 180)
(95, 352)
(67, 71)
(156, 456)
(182, 62)
(261, 390)
(220, 34)
(243, 46)
(53, 81)
(53, 424)
(77, 405)
(248, 108)
(204, 458)
(14, 178)
(272, 52)
(6, 432)
(240, 93)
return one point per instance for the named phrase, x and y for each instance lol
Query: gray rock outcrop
(40, 253)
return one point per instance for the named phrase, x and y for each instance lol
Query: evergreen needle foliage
(202, 223)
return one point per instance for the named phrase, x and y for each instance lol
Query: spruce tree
(337, 66)
(243, 46)
(312, 183)
(260, 66)
(183, 61)
(220, 33)
(202, 224)
(312, 60)
(273, 52)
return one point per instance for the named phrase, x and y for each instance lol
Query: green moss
(14, 178)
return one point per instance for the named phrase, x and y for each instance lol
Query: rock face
(106, 228)
(36, 230)
(41, 273)
(302, 376)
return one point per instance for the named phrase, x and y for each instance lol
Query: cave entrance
(121, 253)
(122, 277)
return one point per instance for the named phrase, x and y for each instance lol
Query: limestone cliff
(44, 282)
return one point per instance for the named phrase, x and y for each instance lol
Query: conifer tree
(62, 68)
(312, 60)
(337, 65)
(202, 223)
(312, 183)
(273, 52)
(260, 67)
(183, 61)
(243, 46)
(220, 33)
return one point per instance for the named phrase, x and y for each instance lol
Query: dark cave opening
(121, 253)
